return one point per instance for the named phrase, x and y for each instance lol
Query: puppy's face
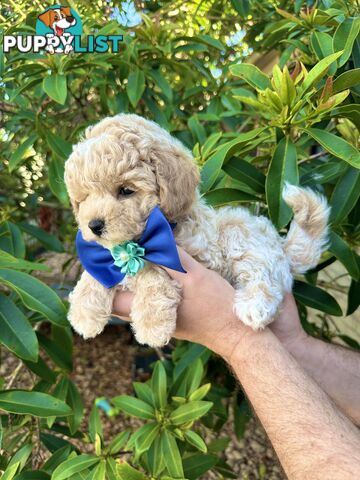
(59, 19)
(124, 167)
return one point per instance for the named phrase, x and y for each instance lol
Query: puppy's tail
(307, 236)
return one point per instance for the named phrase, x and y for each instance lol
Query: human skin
(312, 437)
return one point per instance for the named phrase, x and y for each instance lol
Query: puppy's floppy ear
(177, 177)
(66, 11)
(46, 17)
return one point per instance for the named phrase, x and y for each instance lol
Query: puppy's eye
(125, 192)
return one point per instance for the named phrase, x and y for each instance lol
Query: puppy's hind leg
(154, 308)
(90, 306)
(260, 286)
(256, 304)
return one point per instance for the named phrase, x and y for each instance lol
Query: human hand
(205, 314)
(287, 326)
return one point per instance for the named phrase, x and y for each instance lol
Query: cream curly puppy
(126, 166)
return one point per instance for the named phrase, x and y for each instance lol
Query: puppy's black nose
(70, 18)
(97, 226)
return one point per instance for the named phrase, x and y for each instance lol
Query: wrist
(298, 345)
(231, 338)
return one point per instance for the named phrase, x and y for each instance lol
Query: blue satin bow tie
(156, 245)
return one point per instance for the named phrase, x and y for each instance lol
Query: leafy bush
(195, 73)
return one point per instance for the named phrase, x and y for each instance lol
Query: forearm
(336, 369)
(311, 437)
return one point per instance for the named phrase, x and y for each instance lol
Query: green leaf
(252, 75)
(196, 465)
(11, 239)
(56, 458)
(350, 341)
(219, 444)
(337, 146)
(48, 240)
(346, 80)
(194, 352)
(144, 392)
(317, 298)
(126, 472)
(245, 172)
(197, 129)
(162, 83)
(159, 385)
(350, 111)
(134, 406)
(345, 195)
(353, 297)
(189, 412)
(195, 440)
(317, 72)
(55, 86)
(200, 393)
(135, 86)
(226, 196)
(99, 472)
(62, 148)
(171, 454)
(22, 456)
(213, 165)
(242, 415)
(321, 43)
(95, 425)
(212, 42)
(56, 180)
(343, 252)
(33, 403)
(10, 472)
(74, 465)
(225, 470)
(144, 442)
(22, 151)
(60, 355)
(32, 475)
(111, 469)
(35, 295)
(137, 434)
(41, 369)
(53, 443)
(8, 261)
(210, 143)
(283, 169)
(16, 332)
(323, 173)
(194, 376)
(74, 400)
(118, 442)
(155, 457)
(242, 7)
(345, 36)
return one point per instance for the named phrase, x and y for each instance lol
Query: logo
(59, 30)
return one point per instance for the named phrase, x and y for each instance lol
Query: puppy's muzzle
(97, 226)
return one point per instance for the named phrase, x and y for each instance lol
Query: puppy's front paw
(85, 323)
(256, 312)
(154, 328)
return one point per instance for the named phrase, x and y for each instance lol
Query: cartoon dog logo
(58, 20)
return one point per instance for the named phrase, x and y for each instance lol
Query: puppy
(126, 166)
(58, 19)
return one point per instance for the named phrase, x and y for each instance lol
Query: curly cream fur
(129, 151)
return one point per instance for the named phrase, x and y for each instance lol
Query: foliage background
(190, 66)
